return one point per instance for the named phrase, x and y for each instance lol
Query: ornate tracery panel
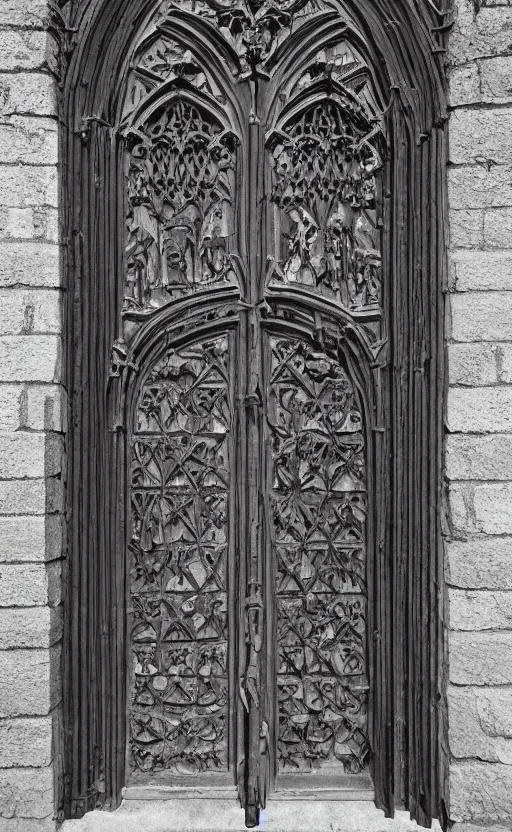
(325, 184)
(180, 206)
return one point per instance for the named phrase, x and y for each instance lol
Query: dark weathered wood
(268, 257)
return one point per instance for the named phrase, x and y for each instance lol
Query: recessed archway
(308, 241)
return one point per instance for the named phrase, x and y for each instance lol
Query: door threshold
(359, 795)
(213, 793)
(227, 816)
(180, 793)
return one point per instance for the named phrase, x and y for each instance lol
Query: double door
(247, 454)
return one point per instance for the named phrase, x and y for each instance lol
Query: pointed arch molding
(402, 45)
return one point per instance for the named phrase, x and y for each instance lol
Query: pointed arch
(401, 42)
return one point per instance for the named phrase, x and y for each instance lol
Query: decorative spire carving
(254, 28)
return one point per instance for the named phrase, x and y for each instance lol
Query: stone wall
(479, 460)
(31, 429)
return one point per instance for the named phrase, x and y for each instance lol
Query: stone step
(208, 815)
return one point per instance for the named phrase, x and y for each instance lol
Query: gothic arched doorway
(256, 365)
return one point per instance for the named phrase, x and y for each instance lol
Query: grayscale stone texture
(478, 460)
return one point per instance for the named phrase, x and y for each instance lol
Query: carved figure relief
(181, 199)
(180, 484)
(325, 183)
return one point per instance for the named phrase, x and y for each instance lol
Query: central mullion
(254, 682)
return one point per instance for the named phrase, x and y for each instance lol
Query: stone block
(24, 13)
(493, 508)
(33, 627)
(483, 35)
(30, 496)
(22, 497)
(43, 825)
(29, 584)
(29, 224)
(497, 227)
(26, 742)
(23, 186)
(480, 658)
(481, 135)
(505, 363)
(495, 83)
(470, 827)
(479, 457)
(10, 403)
(29, 455)
(25, 50)
(480, 792)
(480, 410)
(29, 682)
(495, 711)
(30, 311)
(29, 264)
(480, 563)
(464, 85)
(30, 539)
(30, 358)
(480, 610)
(477, 186)
(467, 737)
(28, 140)
(26, 793)
(481, 270)
(466, 228)
(44, 407)
(482, 316)
(221, 815)
(473, 365)
(27, 93)
(461, 509)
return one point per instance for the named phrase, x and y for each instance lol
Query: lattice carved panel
(318, 502)
(180, 491)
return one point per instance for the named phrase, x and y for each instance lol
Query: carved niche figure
(325, 183)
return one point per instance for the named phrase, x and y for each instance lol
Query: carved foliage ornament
(318, 216)
(254, 28)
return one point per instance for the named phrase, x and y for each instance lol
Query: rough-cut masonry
(479, 422)
(31, 426)
(479, 467)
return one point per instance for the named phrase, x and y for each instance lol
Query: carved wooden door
(253, 260)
